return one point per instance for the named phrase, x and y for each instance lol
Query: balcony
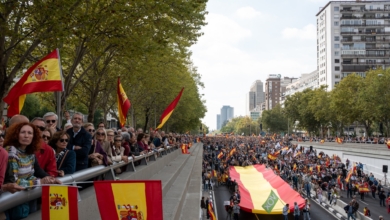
(365, 40)
(356, 68)
(365, 33)
(366, 48)
(367, 63)
(364, 17)
(364, 10)
(364, 25)
(364, 55)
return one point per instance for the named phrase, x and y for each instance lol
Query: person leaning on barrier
(117, 152)
(80, 141)
(21, 142)
(134, 148)
(65, 159)
(101, 137)
(96, 155)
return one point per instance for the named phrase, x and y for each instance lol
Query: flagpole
(58, 94)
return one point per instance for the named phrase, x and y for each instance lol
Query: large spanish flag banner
(128, 199)
(43, 76)
(123, 104)
(255, 184)
(169, 110)
(59, 203)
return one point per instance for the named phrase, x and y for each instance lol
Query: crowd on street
(304, 169)
(37, 152)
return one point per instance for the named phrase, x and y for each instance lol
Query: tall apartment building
(272, 91)
(352, 37)
(255, 96)
(219, 122)
(251, 100)
(227, 113)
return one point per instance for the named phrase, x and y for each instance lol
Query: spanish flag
(322, 141)
(127, 199)
(210, 210)
(254, 182)
(169, 110)
(220, 155)
(213, 173)
(272, 156)
(43, 76)
(232, 151)
(59, 202)
(123, 104)
(318, 168)
(388, 144)
(184, 149)
(339, 140)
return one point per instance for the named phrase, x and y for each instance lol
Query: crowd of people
(304, 169)
(36, 152)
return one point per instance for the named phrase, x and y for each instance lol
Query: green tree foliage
(144, 42)
(275, 120)
(242, 125)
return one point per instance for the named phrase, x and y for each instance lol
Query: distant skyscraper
(219, 122)
(257, 87)
(227, 113)
(252, 100)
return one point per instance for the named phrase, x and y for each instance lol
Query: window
(337, 76)
(336, 45)
(336, 38)
(336, 23)
(337, 68)
(336, 61)
(336, 9)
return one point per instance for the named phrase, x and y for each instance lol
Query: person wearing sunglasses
(65, 159)
(96, 155)
(45, 154)
(51, 120)
(101, 137)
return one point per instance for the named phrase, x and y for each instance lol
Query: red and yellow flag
(339, 140)
(44, 76)
(123, 104)
(127, 199)
(272, 156)
(256, 181)
(59, 202)
(184, 149)
(318, 168)
(210, 210)
(220, 155)
(322, 141)
(232, 151)
(169, 110)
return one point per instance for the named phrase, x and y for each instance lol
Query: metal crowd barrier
(8, 200)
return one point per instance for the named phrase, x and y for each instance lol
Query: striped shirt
(21, 167)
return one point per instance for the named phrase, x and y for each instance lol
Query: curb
(327, 207)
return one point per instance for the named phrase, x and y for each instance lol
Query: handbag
(63, 158)
(19, 212)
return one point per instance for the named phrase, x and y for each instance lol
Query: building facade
(306, 81)
(352, 37)
(272, 91)
(227, 113)
(219, 124)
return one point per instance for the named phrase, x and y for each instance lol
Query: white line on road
(363, 202)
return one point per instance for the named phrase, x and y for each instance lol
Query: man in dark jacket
(80, 141)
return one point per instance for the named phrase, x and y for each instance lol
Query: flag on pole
(169, 110)
(127, 199)
(123, 104)
(44, 76)
(59, 202)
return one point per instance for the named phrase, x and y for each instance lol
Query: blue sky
(245, 40)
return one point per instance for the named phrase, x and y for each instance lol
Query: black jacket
(84, 140)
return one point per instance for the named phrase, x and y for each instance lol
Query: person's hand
(50, 180)
(125, 159)
(12, 187)
(77, 147)
(60, 172)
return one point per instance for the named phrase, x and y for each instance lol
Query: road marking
(339, 215)
(363, 202)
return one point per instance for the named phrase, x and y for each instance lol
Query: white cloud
(247, 13)
(222, 30)
(306, 33)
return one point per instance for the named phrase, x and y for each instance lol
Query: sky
(245, 40)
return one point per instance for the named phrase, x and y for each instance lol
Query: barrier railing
(8, 200)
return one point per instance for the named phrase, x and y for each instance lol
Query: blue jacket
(69, 163)
(84, 140)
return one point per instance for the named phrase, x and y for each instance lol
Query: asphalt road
(369, 202)
(222, 194)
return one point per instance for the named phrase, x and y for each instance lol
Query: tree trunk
(146, 119)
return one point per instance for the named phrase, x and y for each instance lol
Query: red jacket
(46, 159)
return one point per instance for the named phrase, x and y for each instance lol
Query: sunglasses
(41, 128)
(46, 137)
(98, 133)
(118, 140)
(2, 135)
(50, 121)
(63, 140)
(91, 130)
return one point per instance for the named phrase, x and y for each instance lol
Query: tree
(275, 120)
